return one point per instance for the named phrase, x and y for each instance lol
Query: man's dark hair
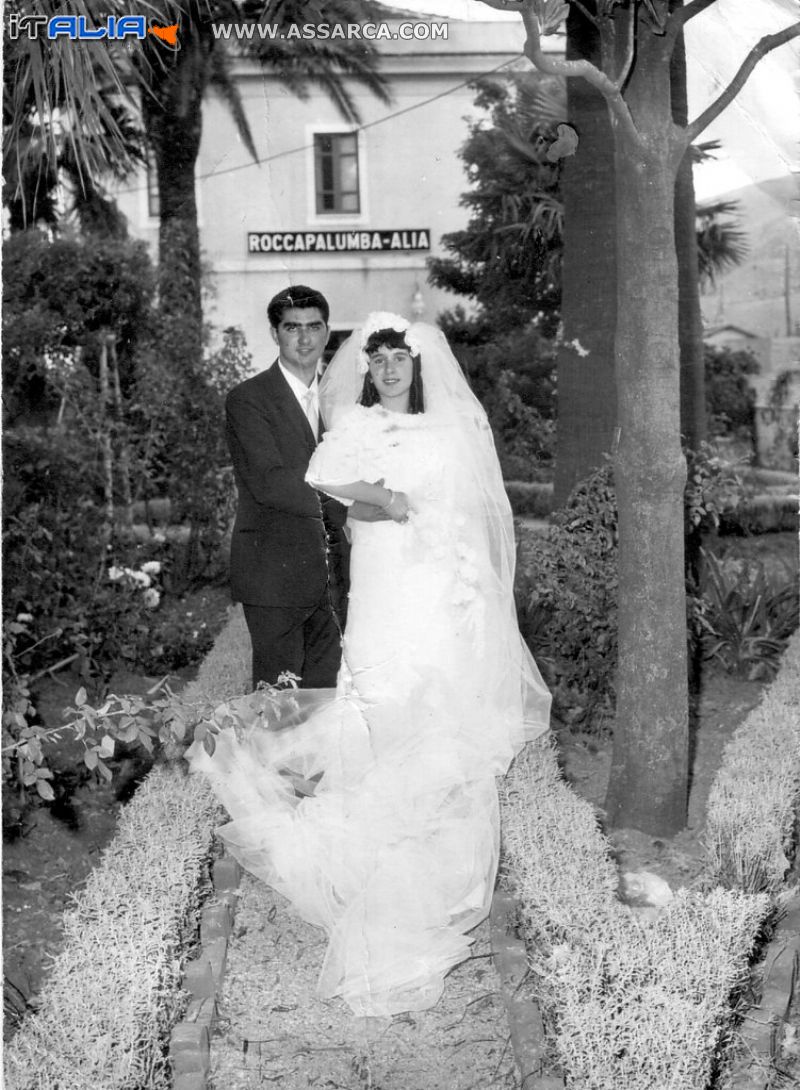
(298, 296)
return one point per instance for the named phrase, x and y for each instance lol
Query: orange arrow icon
(168, 34)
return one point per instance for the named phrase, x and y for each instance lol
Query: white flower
(151, 597)
(152, 567)
(384, 319)
(115, 573)
(140, 578)
(25, 618)
(576, 344)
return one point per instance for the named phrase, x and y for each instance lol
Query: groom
(289, 554)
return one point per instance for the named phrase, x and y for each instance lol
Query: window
(336, 172)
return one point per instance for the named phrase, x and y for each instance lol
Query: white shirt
(307, 396)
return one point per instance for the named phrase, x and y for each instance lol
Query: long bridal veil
(374, 808)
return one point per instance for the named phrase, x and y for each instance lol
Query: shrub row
(530, 499)
(645, 1003)
(114, 991)
(628, 1001)
(753, 805)
(760, 514)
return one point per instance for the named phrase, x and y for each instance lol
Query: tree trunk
(648, 786)
(587, 413)
(690, 321)
(173, 122)
(123, 455)
(587, 408)
(105, 446)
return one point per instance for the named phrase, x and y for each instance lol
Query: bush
(71, 597)
(730, 398)
(628, 1002)
(113, 993)
(567, 595)
(751, 832)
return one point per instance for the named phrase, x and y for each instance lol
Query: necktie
(310, 409)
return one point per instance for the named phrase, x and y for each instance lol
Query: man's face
(301, 337)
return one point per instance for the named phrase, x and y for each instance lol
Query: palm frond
(223, 83)
(721, 244)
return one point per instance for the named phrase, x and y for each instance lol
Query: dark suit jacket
(287, 537)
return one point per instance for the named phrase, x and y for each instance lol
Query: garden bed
(272, 1027)
(49, 856)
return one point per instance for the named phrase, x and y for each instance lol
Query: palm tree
(177, 81)
(43, 150)
(67, 87)
(721, 243)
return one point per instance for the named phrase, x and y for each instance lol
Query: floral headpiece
(384, 319)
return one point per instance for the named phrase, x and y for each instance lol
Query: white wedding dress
(395, 853)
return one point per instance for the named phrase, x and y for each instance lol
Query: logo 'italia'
(168, 34)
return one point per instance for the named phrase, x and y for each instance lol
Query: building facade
(353, 212)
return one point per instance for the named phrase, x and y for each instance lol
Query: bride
(373, 807)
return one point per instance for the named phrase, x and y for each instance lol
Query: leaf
(80, 697)
(45, 790)
(90, 758)
(106, 748)
(104, 770)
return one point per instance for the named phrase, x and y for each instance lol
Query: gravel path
(273, 1030)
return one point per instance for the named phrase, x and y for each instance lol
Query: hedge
(642, 1002)
(113, 993)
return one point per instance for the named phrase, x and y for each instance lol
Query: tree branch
(759, 50)
(584, 11)
(590, 72)
(681, 16)
(625, 71)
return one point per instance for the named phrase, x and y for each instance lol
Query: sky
(760, 131)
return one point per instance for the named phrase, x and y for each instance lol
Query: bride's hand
(398, 507)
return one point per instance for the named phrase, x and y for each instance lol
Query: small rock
(644, 889)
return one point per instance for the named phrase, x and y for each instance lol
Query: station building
(355, 212)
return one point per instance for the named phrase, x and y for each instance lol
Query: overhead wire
(218, 172)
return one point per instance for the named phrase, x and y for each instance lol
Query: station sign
(327, 242)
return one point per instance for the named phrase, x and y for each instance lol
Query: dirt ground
(273, 1028)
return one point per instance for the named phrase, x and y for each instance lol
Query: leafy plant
(713, 487)
(567, 584)
(750, 615)
(730, 398)
(567, 589)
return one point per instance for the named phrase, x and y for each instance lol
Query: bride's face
(392, 371)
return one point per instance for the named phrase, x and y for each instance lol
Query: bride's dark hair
(392, 338)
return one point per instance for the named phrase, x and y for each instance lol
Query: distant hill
(753, 295)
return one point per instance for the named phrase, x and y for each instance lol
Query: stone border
(524, 1020)
(190, 1040)
(763, 1025)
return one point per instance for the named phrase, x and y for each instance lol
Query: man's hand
(367, 512)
